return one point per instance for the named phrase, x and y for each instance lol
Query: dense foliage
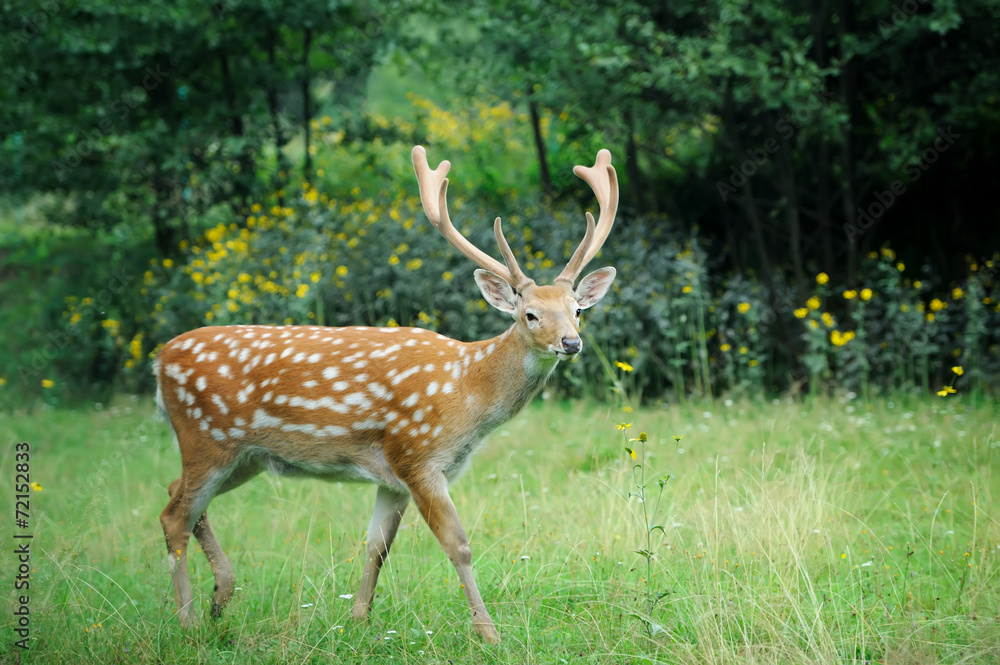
(180, 164)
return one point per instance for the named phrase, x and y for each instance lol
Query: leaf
(657, 526)
(645, 553)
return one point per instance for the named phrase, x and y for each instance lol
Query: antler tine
(434, 198)
(603, 179)
(518, 278)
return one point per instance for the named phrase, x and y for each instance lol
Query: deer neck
(506, 377)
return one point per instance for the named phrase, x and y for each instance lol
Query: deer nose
(572, 344)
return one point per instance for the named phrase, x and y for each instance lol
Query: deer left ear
(497, 291)
(594, 286)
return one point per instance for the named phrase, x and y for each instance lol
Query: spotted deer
(403, 408)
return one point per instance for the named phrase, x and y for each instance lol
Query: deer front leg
(389, 507)
(437, 508)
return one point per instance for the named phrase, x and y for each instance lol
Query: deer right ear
(497, 291)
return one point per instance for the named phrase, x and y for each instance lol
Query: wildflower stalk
(648, 519)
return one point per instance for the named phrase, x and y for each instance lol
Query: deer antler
(603, 179)
(434, 198)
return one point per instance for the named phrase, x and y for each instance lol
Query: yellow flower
(840, 339)
(866, 294)
(904, 307)
(414, 264)
(302, 290)
(341, 271)
(686, 289)
(447, 275)
(947, 390)
(958, 370)
(957, 293)
(3, 380)
(622, 427)
(314, 276)
(48, 383)
(801, 313)
(937, 305)
(813, 324)
(900, 267)
(822, 278)
(394, 260)
(36, 487)
(827, 319)
(753, 363)
(850, 294)
(625, 367)
(743, 307)
(168, 263)
(888, 253)
(630, 451)
(743, 350)
(813, 303)
(724, 348)
(930, 316)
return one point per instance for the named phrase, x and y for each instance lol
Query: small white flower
(525, 557)
(306, 605)
(866, 564)
(346, 596)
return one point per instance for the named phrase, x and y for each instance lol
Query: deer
(403, 408)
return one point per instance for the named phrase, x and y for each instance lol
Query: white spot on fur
(447, 388)
(330, 373)
(261, 418)
(309, 384)
(405, 375)
(201, 383)
(411, 400)
(224, 371)
(432, 388)
(219, 403)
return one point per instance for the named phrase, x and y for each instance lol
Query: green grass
(771, 520)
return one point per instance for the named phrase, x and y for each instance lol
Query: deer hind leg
(437, 508)
(389, 507)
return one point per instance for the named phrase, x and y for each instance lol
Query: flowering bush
(355, 249)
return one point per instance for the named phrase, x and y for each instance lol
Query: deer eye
(578, 312)
(531, 317)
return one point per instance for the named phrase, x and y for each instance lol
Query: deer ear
(497, 291)
(594, 286)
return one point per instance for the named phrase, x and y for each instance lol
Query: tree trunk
(848, 99)
(306, 110)
(543, 162)
(274, 104)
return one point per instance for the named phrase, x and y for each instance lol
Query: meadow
(818, 531)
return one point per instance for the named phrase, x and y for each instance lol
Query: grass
(818, 532)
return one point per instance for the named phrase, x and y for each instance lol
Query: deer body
(403, 408)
